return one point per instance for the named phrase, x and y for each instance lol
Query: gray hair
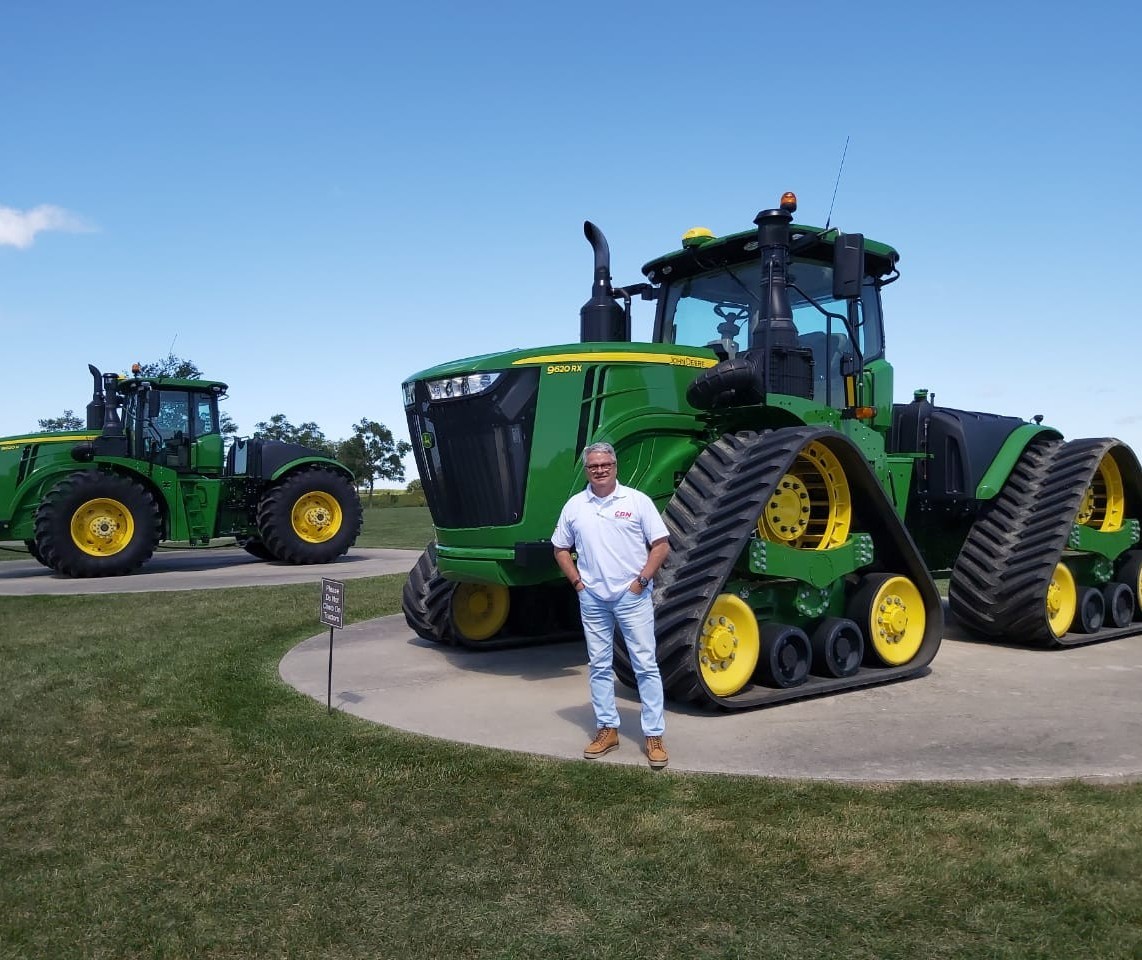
(601, 447)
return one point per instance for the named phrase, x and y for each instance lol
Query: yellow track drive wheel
(811, 507)
(891, 610)
(1062, 600)
(1104, 503)
(728, 645)
(316, 516)
(479, 610)
(102, 527)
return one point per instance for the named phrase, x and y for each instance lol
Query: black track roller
(786, 655)
(1091, 610)
(1120, 605)
(838, 647)
(1130, 573)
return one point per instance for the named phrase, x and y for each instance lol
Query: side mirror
(153, 404)
(848, 266)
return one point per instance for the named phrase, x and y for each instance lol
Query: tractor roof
(809, 243)
(128, 384)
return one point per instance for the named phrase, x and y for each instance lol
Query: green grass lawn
(407, 528)
(164, 794)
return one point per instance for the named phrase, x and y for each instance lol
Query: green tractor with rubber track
(152, 466)
(806, 509)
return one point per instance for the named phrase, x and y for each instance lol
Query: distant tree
(415, 491)
(372, 453)
(227, 426)
(308, 434)
(171, 366)
(69, 421)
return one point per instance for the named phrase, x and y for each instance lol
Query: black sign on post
(333, 615)
(333, 603)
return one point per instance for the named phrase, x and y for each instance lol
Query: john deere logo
(426, 441)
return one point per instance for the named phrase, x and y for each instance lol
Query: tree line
(371, 452)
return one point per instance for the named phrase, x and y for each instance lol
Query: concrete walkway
(981, 712)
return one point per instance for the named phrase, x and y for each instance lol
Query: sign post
(333, 615)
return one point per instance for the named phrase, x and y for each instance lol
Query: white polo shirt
(611, 536)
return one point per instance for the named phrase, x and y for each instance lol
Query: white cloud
(18, 228)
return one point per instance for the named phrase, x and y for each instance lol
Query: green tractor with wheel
(807, 510)
(152, 466)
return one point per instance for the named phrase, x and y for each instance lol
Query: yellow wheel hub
(1062, 600)
(1104, 503)
(897, 620)
(479, 610)
(728, 646)
(102, 527)
(316, 517)
(811, 507)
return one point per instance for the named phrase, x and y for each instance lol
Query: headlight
(465, 386)
(409, 393)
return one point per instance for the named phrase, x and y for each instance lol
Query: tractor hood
(561, 354)
(63, 436)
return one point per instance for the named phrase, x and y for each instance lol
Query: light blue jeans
(634, 615)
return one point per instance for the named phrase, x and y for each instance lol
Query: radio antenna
(836, 186)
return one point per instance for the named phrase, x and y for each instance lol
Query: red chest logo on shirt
(623, 514)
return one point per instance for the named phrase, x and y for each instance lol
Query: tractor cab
(177, 423)
(810, 298)
(168, 421)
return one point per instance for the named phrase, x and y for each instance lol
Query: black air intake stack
(97, 406)
(776, 328)
(602, 319)
(112, 425)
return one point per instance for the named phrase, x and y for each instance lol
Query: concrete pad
(980, 712)
(204, 568)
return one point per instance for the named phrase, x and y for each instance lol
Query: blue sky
(314, 201)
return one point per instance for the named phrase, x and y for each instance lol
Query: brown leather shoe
(656, 754)
(606, 740)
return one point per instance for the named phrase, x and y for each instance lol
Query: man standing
(621, 542)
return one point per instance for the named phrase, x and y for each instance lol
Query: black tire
(427, 600)
(97, 545)
(34, 551)
(255, 548)
(312, 516)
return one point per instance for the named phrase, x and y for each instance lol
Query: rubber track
(426, 599)
(999, 581)
(711, 518)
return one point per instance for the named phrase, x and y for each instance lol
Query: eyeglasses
(600, 466)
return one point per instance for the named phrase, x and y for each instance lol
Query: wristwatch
(643, 582)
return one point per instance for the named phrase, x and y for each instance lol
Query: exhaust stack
(601, 319)
(96, 407)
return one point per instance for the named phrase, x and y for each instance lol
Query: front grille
(472, 452)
